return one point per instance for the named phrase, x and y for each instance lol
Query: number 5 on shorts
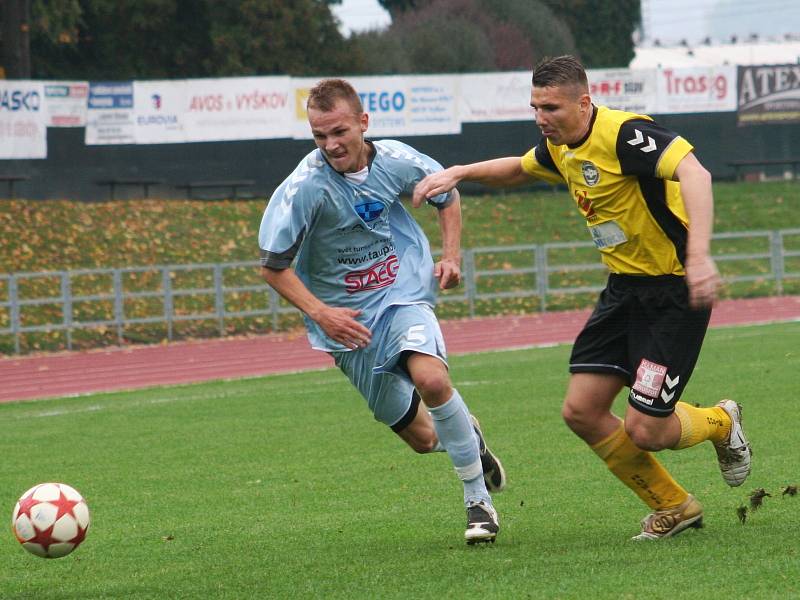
(416, 335)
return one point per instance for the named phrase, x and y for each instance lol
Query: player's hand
(433, 185)
(340, 325)
(703, 281)
(448, 272)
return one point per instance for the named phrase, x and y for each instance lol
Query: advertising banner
(158, 111)
(397, 106)
(23, 120)
(768, 94)
(492, 97)
(110, 117)
(237, 108)
(300, 89)
(696, 90)
(624, 89)
(65, 103)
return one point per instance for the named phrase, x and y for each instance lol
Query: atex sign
(768, 94)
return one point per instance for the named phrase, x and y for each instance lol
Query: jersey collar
(370, 157)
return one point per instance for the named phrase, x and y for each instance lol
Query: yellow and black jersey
(620, 175)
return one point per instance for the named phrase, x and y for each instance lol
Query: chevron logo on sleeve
(638, 140)
(669, 383)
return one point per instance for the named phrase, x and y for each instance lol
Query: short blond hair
(327, 92)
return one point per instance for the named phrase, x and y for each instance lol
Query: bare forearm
(698, 198)
(338, 323)
(499, 172)
(702, 277)
(289, 286)
(450, 226)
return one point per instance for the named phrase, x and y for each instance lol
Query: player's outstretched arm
(702, 277)
(339, 324)
(499, 172)
(448, 269)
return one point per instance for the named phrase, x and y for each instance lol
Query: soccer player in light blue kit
(365, 281)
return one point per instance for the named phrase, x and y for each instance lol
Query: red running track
(72, 373)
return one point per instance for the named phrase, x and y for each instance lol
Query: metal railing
(117, 299)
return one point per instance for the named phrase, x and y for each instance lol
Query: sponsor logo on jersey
(350, 229)
(607, 235)
(590, 173)
(368, 256)
(585, 204)
(370, 210)
(377, 276)
(649, 378)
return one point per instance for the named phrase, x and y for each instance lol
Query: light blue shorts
(377, 370)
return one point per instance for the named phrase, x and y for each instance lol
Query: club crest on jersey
(590, 173)
(370, 210)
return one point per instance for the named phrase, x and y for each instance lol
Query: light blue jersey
(355, 245)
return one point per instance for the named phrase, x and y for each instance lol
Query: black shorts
(643, 330)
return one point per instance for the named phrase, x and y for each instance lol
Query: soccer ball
(50, 520)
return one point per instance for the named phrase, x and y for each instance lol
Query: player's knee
(423, 445)
(576, 418)
(420, 440)
(643, 437)
(568, 415)
(434, 387)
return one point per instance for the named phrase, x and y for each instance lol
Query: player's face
(339, 133)
(563, 113)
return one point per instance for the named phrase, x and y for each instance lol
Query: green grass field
(284, 487)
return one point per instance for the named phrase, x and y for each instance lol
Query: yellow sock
(640, 471)
(701, 424)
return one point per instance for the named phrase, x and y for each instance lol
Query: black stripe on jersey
(640, 144)
(654, 192)
(543, 157)
(282, 260)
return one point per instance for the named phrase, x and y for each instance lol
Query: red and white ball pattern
(50, 520)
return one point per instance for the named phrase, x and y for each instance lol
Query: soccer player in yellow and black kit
(648, 205)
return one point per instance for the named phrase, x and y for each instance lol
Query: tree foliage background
(152, 39)
(456, 36)
(603, 30)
